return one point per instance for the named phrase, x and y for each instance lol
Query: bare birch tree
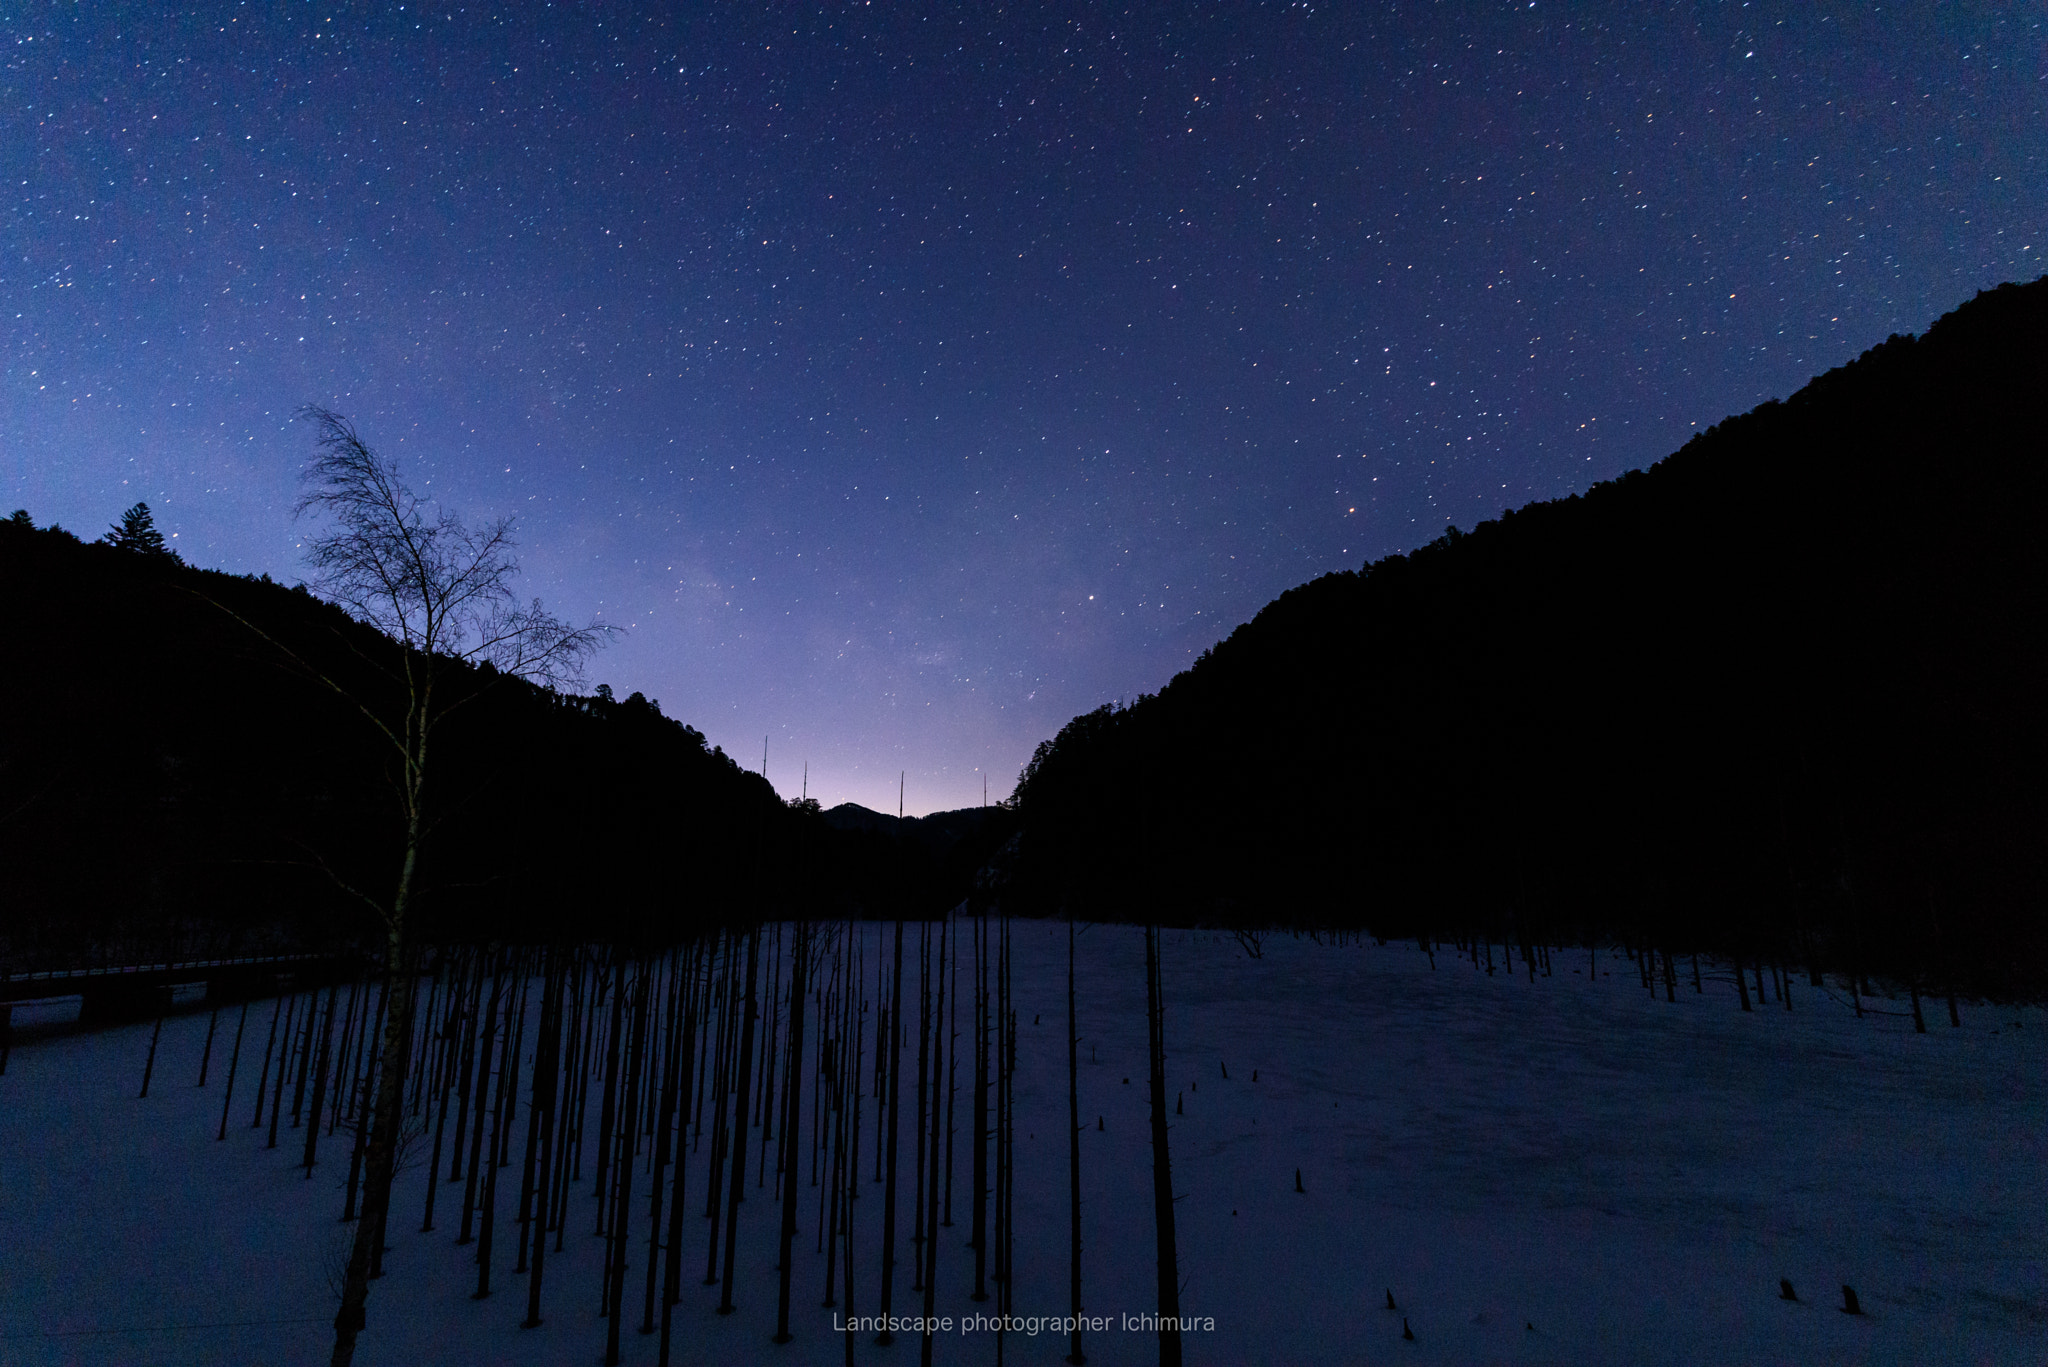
(440, 588)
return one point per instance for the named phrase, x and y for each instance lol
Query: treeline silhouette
(1780, 695)
(170, 786)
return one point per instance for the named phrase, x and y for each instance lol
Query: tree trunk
(893, 1082)
(952, 1072)
(1074, 1353)
(672, 1278)
(472, 1020)
(269, 1047)
(283, 1066)
(792, 1130)
(1162, 1174)
(979, 1233)
(739, 1125)
(608, 1115)
(386, 1114)
(234, 1058)
(206, 1054)
(485, 1042)
(924, 1043)
(357, 1150)
(319, 1082)
(546, 1087)
(615, 1289)
(930, 1247)
(664, 1118)
(305, 1056)
(149, 1064)
(451, 1040)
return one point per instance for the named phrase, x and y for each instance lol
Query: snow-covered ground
(1568, 1171)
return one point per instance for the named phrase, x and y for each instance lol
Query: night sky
(909, 381)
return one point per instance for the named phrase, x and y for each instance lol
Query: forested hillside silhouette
(170, 786)
(1781, 693)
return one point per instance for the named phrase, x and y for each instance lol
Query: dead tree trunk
(546, 1086)
(608, 1114)
(149, 1064)
(924, 1042)
(979, 1232)
(1162, 1173)
(284, 1063)
(270, 1046)
(664, 1117)
(792, 1130)
(739, 1125)
(484, 1045)
(615, 1288)
(234, 1058)
(893, 1081)
(672, 1278)
(1074, 1354)
(319, 1084)
(930, 1247)
(206, 1054)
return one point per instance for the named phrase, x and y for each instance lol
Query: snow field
(1568, 1172)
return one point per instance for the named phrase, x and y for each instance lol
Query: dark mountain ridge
(168, 786)
(1782, 690)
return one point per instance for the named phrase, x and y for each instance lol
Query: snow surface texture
(1562, 1172)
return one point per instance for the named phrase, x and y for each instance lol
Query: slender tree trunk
(421, 1069)
(531, 1228)
(359, 1140)
(284, 1063)
(234, 1058)
(1074, 1353)
(764, 1105)
(721, 1105)
(451, 1040)
(149, 1064)
(386, 1116)
(485, 1042)
(672, 1280)
(893, 1077)
(658, 1160)
(615, 1290)
(501, 1121)
(546, 1084)
(792, 1130)
(343, 1057)
(608, 1115)
(361, 1144)
(319, 1083)
(853, 1091)
(930, 1246)
(472, 1020)
(269, 1046)
(206, 1054)
(952, 1070)
(924, 1041)
(739, 1125)
(508, 1067)
(568, 1093)
(978, 1234)
(840, 1058)
(305, 1054)
(1162, 1174)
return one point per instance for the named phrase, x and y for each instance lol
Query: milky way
(908, 382)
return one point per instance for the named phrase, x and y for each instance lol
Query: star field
(909, 381)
